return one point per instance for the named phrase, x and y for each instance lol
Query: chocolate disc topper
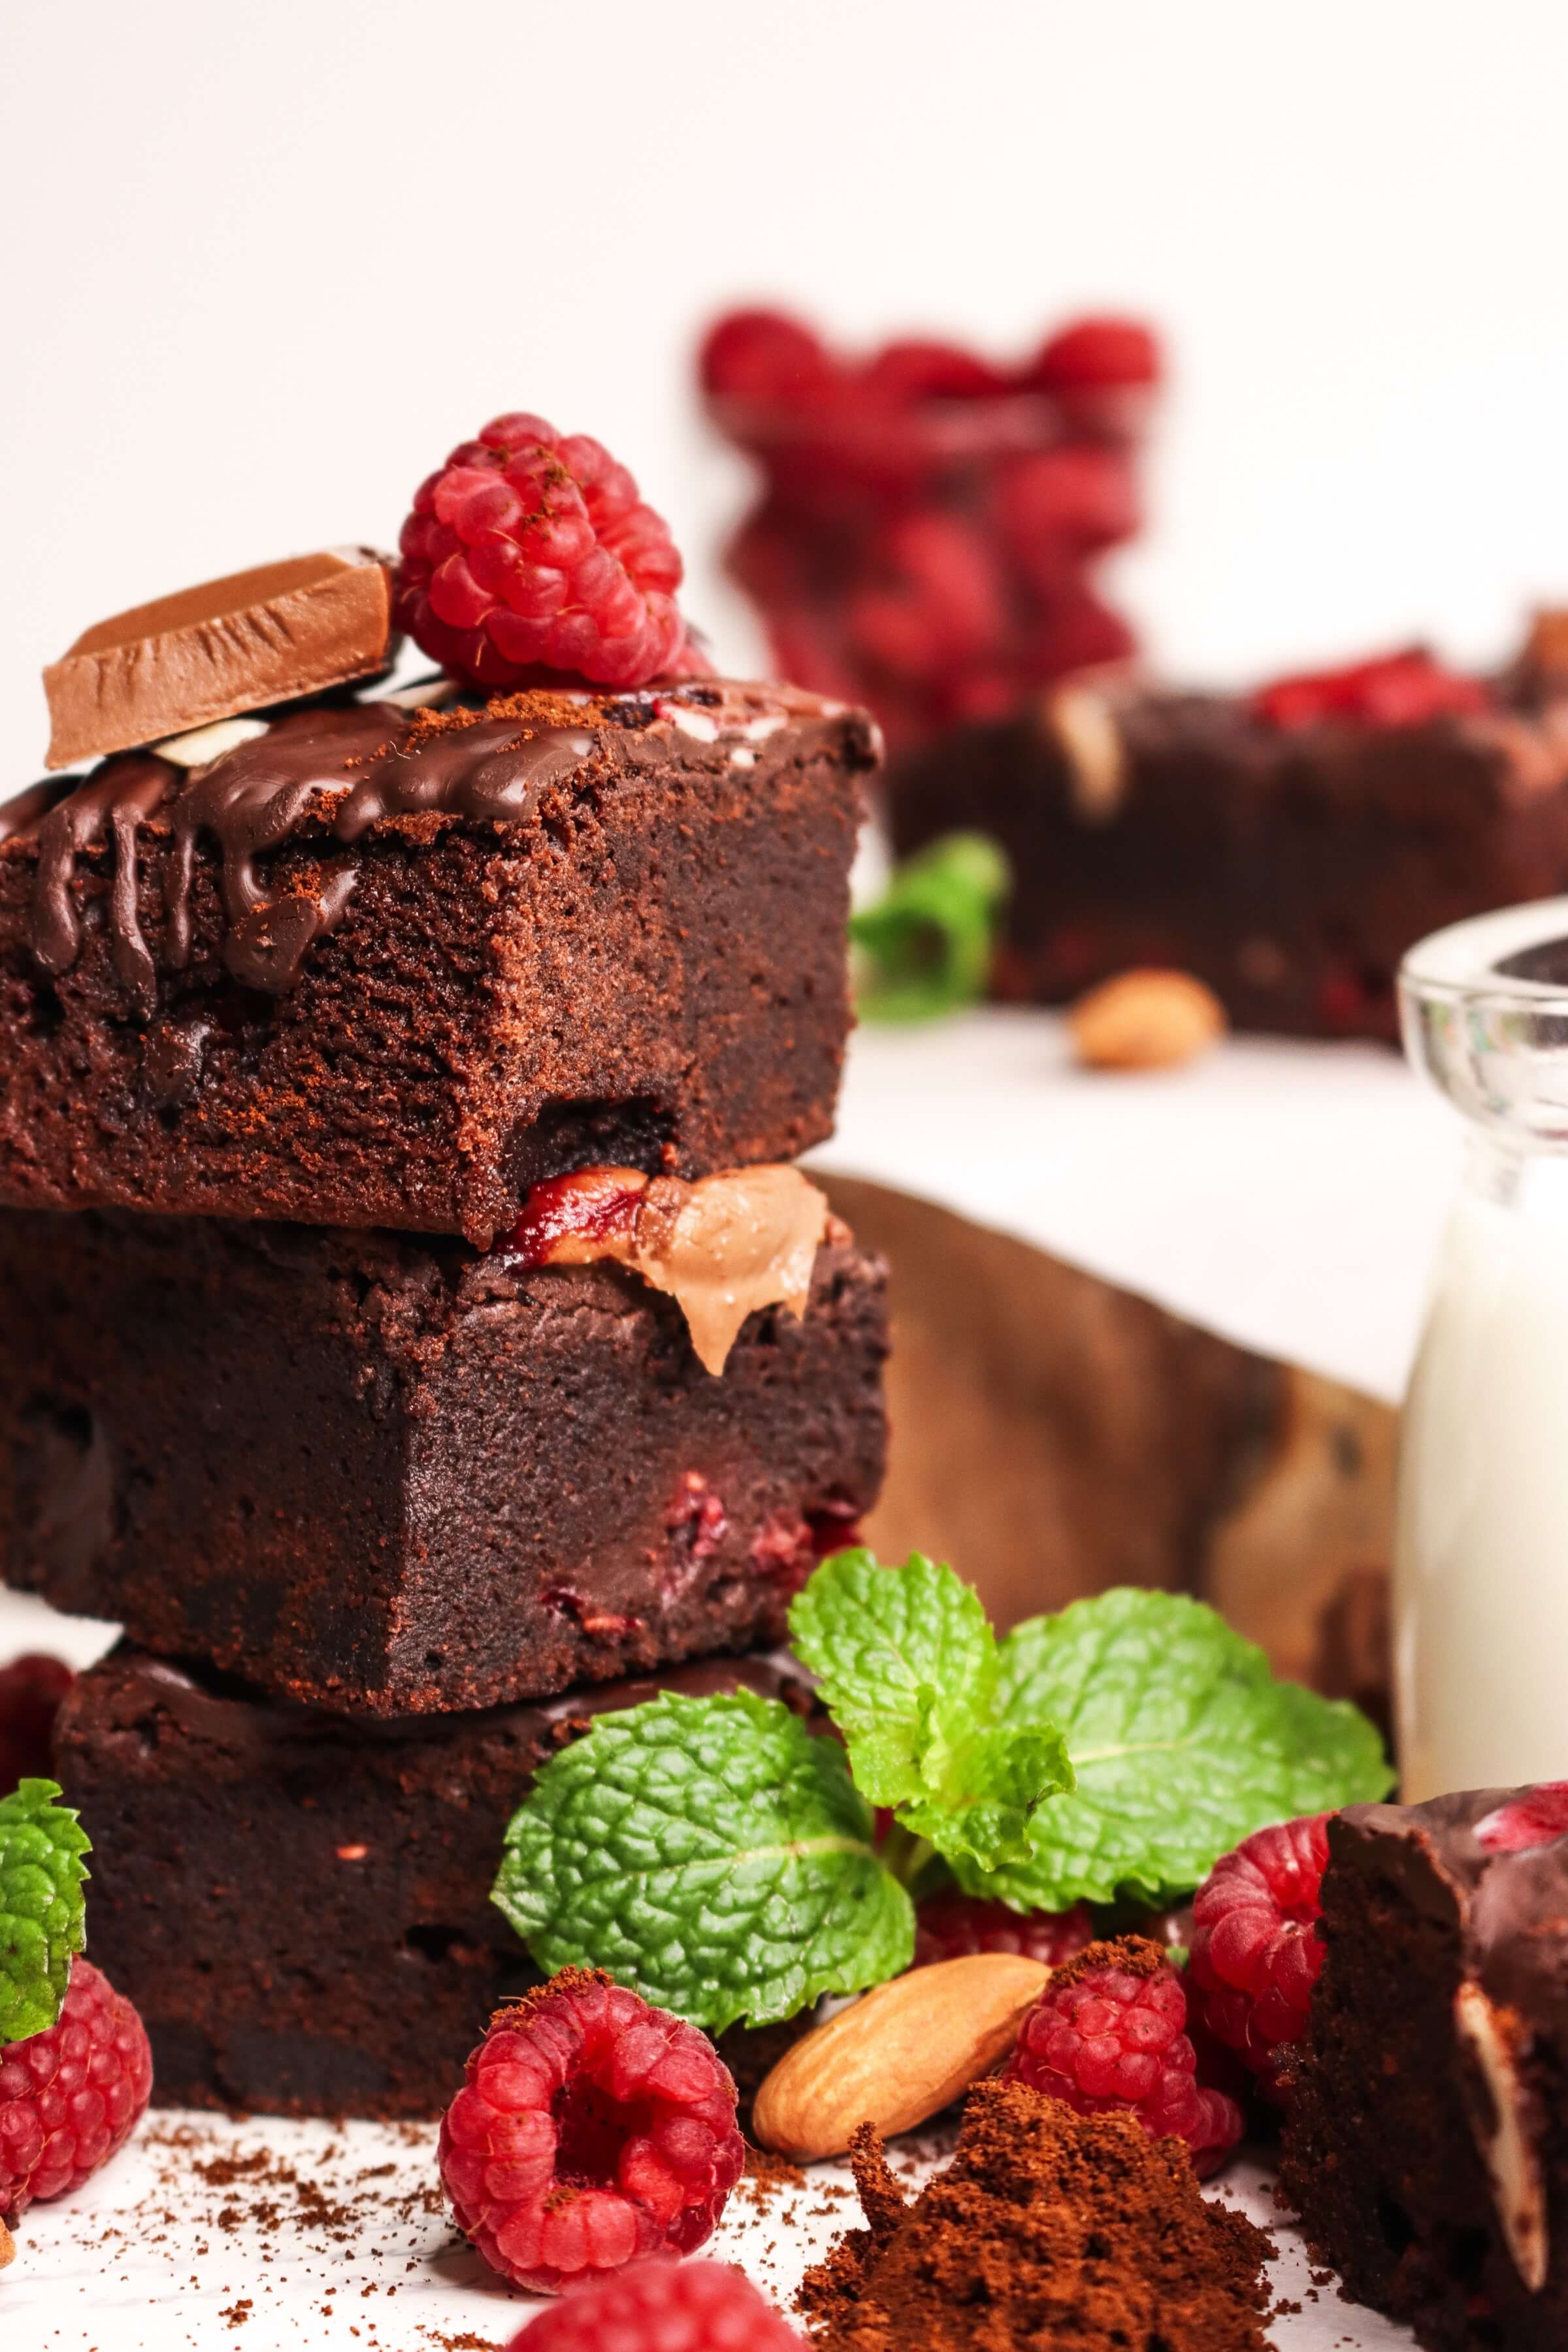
(271, 635)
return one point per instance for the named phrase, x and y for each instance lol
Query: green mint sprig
(908, 1667)
(42, 1907)
(1181, 1744)
(719, 1856)
(925, 948)
(714, 1853)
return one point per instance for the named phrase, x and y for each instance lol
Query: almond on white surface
(898, 2055)
(1146, 1020)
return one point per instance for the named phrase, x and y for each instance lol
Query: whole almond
(896, 2055)
(1145, 1021)
(7, 2246)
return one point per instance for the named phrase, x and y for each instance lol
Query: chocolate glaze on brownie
(389, 1475)
(299, 1905)
(1427, 2149)
(1288, 869)
(389, 967)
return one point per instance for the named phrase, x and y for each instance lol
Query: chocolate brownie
(384, 967)
(1428, 2148)
(1288, 865)
(299, 1905)
(386, 1472)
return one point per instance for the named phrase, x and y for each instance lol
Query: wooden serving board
(1052, 1434)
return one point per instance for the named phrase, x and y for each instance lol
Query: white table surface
(154, 2256)
(1288, 1196)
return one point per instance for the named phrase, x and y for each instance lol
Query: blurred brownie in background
(1286, 847)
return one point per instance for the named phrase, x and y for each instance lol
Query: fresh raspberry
(31, 1689)
(1403, 690)
(70, 2097)
(658, 2306)
(530, 553)
(936, 600)
(591, 2129)
(1255, 1951)
(1077, 632)
(948, 1926)
(762, 355)
(1537, 1817)
(1097, 355)
(1107, 2035)
(912, 370)
(1059, 503)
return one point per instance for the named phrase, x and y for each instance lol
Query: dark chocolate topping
(330, 774)
(374, 760)
(22, 812)
(1512, 1907)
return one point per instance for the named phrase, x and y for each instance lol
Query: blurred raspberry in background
(930, 524)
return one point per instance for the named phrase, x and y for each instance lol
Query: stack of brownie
(416, 1336)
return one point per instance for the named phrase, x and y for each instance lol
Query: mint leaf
(1181, 1744)
(926, 946)
(42, 1908)
(908, 1667)
(988, 1787)
(905, 1657)
(1328, 1747)
(712, 1853)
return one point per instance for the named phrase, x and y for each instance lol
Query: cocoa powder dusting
(1048, 2230)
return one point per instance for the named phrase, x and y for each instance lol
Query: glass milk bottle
(1480, 1575)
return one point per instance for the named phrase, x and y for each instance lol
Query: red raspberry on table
(1255, 1952)
(1107, 2035)
(658, 2306)
(31, 1689)
(531, 551)
(591, 2130)
(948, 1926)
(71, 2096)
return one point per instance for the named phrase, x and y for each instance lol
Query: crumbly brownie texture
(1427, 2149)
(1290, 869)
(386, 1473)
(381, 966)
(299, 1905)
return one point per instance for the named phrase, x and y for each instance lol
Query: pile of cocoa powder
(1047, 2229)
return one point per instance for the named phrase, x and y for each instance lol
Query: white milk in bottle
(1481, 1577)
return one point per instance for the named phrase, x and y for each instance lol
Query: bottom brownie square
(369, 1471)
(298, 1902)
(1427, 2149)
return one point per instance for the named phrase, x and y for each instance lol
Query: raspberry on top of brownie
(390, 961)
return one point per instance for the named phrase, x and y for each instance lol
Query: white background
(264, 263)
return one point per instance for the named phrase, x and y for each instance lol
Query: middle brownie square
(379, 1473)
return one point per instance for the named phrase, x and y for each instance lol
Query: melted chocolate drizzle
(255, 801)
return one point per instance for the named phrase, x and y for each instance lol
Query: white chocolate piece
(1509, 2153)
(203, 745)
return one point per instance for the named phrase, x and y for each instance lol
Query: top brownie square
(386, 967)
